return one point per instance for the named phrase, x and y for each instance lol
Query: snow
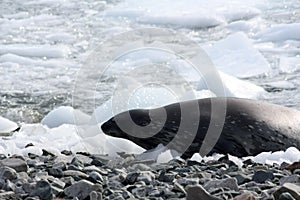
(289, 64)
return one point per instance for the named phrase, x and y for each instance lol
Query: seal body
(250, 127)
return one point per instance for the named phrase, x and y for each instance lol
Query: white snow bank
(235, 55)
(7, 126)
(42, 51)
(280, 32)
(188, 14)
(65, 115)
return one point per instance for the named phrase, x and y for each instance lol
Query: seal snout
(110, 128)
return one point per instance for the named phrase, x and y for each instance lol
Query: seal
(250, 127)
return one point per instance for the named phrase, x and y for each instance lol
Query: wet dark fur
(250, 128)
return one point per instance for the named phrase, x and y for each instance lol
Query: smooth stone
(165, 177)
(56, 172)
(82, 189)
(230, 183)
(291, 188)
(66, 152)
(198, 192)
(131, 177)
(16, 163)
(95, 195)
(95, 176)
(9, 186)
(260, 176)
(290, 179)
(28, 187)
(8, 173)
(75, 173)
(245, 196)
(242, 178)
(286, 196)
(8, 195)
(187, 181)
(43, 190)
(58, 183)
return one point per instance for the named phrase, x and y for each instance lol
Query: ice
(289, 64)
(187, 14)
(279, 33)
(42, 51)
(61, 37)
(164, 157)
(291, 155)
(235, 87)
(65, 115)
(281, 85)
(7, 126)
(236, 56)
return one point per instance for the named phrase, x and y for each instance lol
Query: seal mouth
(110, 128)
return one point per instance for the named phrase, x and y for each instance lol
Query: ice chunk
(236, 56)
(280, 32)
(291, 155)
(7, 126)
(65, 115)
(42, 51)
(289, 64)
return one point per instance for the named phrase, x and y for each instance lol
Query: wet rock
(245, 196)
(290, 188)
(7, 173)
(82, 189)
(42, 190)
(230, 183)
(16, 163)
(198, 192)
(260, 176)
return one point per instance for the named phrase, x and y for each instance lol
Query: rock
(95, 176)
(293, 166)
(66, 152)
(43, 190)
(8, 195)
(240, 177)
(290, 179)
(47, 153)
(165, 177)
(95, 195)
(245, 196)
(131, 178)
(286, 196)
(230, 183)
(8, 173)
(260, 176)
(16, 163)
(29, 145)
(58, 183)
(291, 188)
(196, 192)
(56, 172)
(82, 189)
(9, 186)
(75, 173)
